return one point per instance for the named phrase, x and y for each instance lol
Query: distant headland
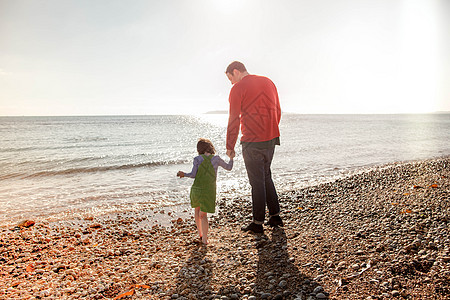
(217, 112)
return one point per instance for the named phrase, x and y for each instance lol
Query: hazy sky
(86, 57)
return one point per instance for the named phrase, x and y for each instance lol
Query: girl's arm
(193, 172)
(227, 166)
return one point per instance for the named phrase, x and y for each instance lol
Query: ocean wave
(76, 145)
(84, 170)
(18, 149)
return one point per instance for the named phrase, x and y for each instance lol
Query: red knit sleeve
(278, 108)
(234, 119)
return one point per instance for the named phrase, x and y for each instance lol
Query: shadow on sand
(193, 280)
(277, 276)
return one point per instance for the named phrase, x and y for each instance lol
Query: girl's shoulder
(216, 157)
(198, 159)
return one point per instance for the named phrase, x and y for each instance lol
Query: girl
(203, 191)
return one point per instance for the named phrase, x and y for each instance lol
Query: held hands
(180, 174)
(231, 154)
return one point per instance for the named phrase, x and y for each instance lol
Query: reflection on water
(219, 120)
(55, 165)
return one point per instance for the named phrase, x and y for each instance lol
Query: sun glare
(228, 6)
(219, 120)
(419, 62)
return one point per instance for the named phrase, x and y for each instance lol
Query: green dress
(203, 191)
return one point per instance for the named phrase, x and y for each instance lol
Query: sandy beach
(379, 234)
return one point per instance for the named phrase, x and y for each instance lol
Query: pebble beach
(378, 234)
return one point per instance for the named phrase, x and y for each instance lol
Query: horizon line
(220, 112)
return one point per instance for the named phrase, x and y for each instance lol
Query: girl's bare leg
(198, 221)
(205, 227)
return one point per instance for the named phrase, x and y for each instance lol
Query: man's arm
(277, 104)
(234, 120)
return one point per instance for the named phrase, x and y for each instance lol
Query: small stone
(343, 282)
(318, 289)
(395, 293)
(341, 265)
(321, 296)
(320, 276)
(282, 284)
(44, 293)
(380, 248)
(265, 296)
(26, 223)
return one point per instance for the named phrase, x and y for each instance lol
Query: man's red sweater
(255, 107)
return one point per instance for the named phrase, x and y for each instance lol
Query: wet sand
(375, 235)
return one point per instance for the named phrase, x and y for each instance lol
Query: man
(255, 108)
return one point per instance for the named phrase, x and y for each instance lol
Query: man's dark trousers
(257, 162)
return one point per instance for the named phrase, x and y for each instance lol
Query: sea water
(62, 167)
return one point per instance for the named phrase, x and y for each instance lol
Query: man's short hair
(235, 65)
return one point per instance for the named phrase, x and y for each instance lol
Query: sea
(68, 167)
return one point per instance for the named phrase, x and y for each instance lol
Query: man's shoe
(275, 221)
(255, 228)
